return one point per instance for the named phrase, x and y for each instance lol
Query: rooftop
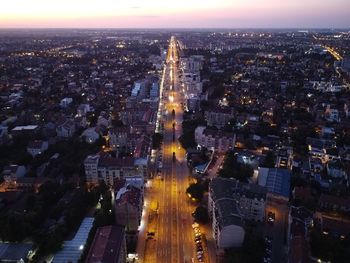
(107, 245)
(276, 180)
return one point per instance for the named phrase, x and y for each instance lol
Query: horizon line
(164, 28)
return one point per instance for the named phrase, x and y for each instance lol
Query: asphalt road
(173, 240)
(278, 230)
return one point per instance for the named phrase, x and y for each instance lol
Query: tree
(187, 139)
(195, 191)
(253, 241)
(329, 248)
(269, 161)
(117, 123)
(157, 139)
(233, 169)
(201, 215)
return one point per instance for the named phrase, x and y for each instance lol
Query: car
(195, 225)
(199, 248)
(197, 238)
(268, 239)
(267, 259)
(271, 217)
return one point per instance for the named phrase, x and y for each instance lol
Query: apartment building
(102, 166)
(220, 141)
(230, 203)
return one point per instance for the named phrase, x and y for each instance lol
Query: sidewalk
(213, 171)
(146, 247)
(211, 247)
(141, 238)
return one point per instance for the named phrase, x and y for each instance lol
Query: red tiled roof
(131, 196)
(107, 245)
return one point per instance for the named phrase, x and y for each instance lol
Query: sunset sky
(177, 13)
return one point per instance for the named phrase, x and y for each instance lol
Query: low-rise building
(83, 109)
(109, 245)
(28, 130)
(65, 102)
(72, 249)
(4, 136)
(65, 128)
(128, 205)
(332, 114)
(37, 147)
(219, 117)
(335, 169)
(220, 141)
(106, 168)
(118, 137)
(90, 135)
(334, 203)
(12, 172)
(277, 182)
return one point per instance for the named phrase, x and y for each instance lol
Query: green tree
(157, 139)
(187, 139)
(269, 160)
(195, 191)
(201, 215)
(233, 169)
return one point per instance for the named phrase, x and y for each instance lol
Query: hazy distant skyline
(174, 14)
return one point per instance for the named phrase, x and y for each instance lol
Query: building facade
(230, 203)
(218, 140)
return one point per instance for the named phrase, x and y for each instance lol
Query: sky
(174, 14)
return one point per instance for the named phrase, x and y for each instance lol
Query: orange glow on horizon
(182, 13)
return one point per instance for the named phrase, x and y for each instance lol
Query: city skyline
(183, 14)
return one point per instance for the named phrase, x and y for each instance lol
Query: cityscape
(166, 133)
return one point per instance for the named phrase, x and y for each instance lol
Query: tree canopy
(233, 169)
(195, 191)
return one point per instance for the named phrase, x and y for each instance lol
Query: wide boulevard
(173, 240)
